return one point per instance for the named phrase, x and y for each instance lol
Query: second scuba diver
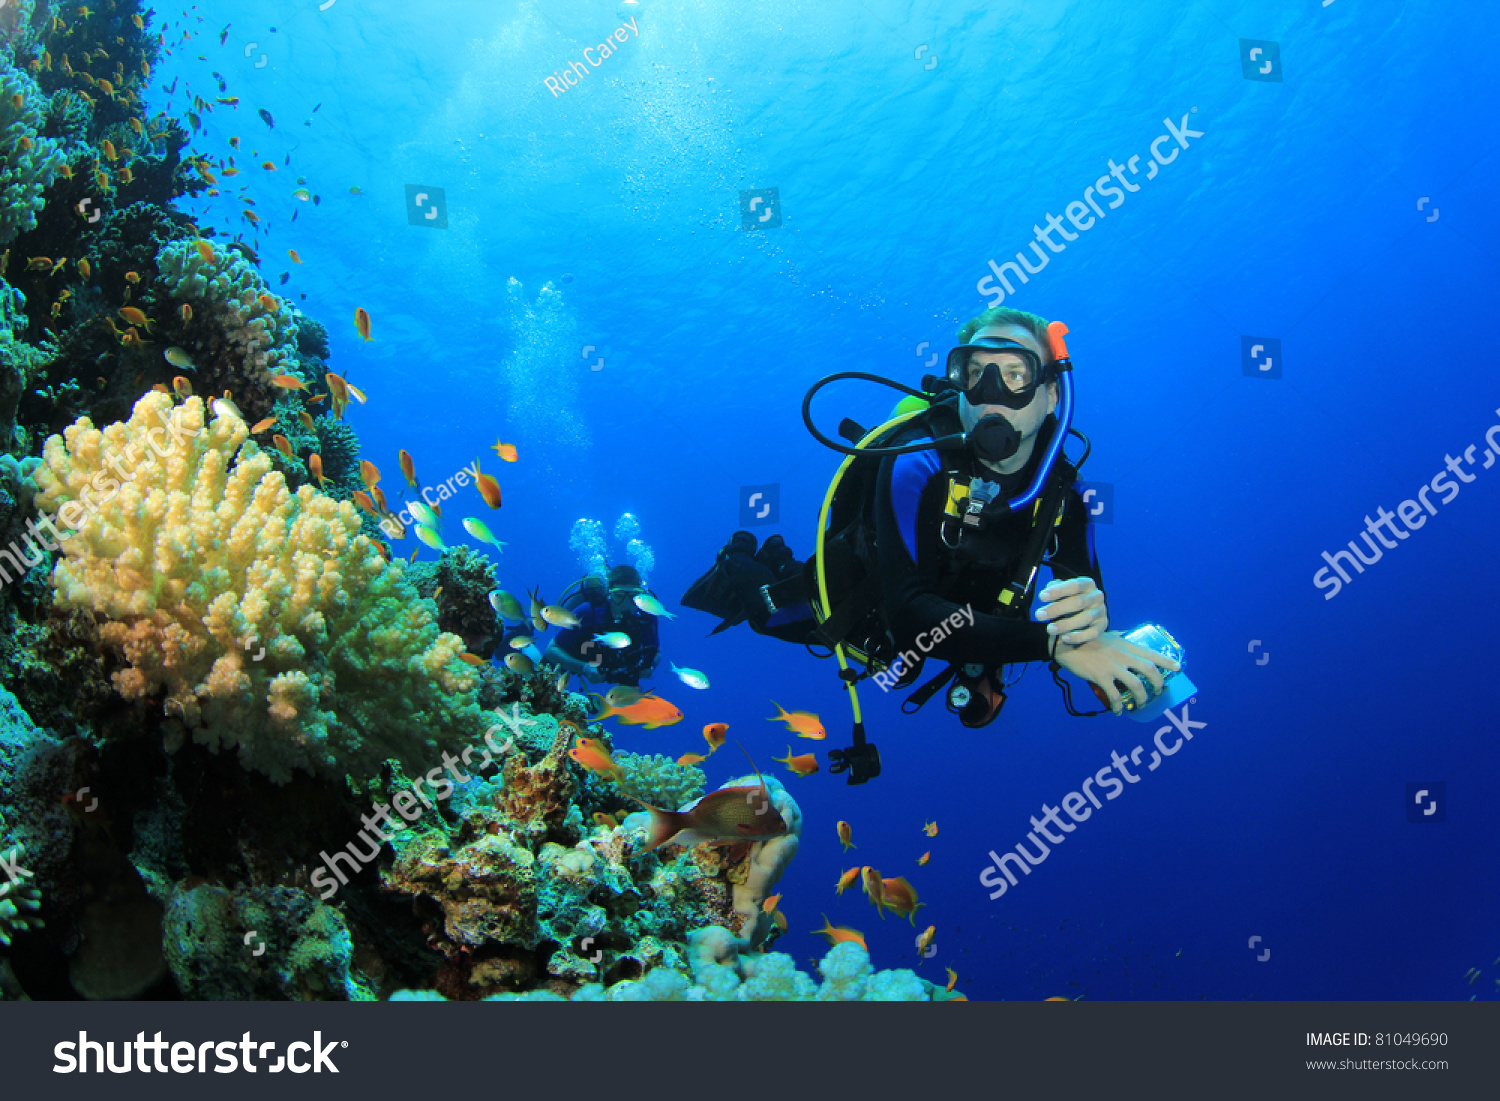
(615, 641)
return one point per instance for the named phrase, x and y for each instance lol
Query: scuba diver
(607, 608)
(931, 537)
(615, 641)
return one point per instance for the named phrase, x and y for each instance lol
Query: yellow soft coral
(273, 625)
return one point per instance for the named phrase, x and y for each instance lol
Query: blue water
(1295, 216)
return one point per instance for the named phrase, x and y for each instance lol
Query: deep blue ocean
(589, 291)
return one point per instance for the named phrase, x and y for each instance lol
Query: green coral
(660, 781)
(283, 943)
(19, 901)
(229, 287)
(28, 161)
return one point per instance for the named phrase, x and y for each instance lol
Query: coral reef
(19, 901)
(660, 781)
(28, 161)
(461, 582)
(241, 334)
(719, 973)
(274, 627)
(520, 893)
(283, 941)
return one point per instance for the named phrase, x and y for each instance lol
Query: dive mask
(1011, 383)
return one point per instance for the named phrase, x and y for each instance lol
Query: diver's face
(1027, 421)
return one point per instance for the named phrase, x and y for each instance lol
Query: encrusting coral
(275, 628)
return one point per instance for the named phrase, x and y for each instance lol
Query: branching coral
(19, 901)
(274, 627)
(228, 293)
(660, 781)
(28, 161)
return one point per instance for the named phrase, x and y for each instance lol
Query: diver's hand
(1074, 611)
(1110, 658)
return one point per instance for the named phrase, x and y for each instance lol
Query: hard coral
(273, 626)
(28, 161)
(234, 333)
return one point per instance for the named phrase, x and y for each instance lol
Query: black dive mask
(1011, 383)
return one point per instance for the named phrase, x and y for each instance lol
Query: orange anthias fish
(379, 495)
(607, 820)
(506, 451)
(803, 765)
(472, 659)
(338, 392)
(293, 254)
(925, 939)
(740, 813)
(846, 881)
(805, 723)
(261, 426)
(769, 905)
(691, 759)
(362, 499)
(183, 387)
(206, 251)
(714, 734)
(283, 445)
(923, 859)
(649, 711)
(362, 322)
(289, 382)
(136, 317)
(187, 312)
(874, 888)
(952, 980)
(315, 465)
(901, 898)
(838, 934)
(488, 488)
(846, 835)
(593, 755)
(369, 472)
(408, 468)
(930, 829)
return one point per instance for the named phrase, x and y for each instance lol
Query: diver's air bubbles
(587, 542)
(642, 558)
(627, 527)
(629, 9)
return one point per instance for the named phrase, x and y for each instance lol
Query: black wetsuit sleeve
(912, 589)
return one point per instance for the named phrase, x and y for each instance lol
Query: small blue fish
(424, 515)
(431, 538)
(649, 604)
(690, 677)
(615, 640)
